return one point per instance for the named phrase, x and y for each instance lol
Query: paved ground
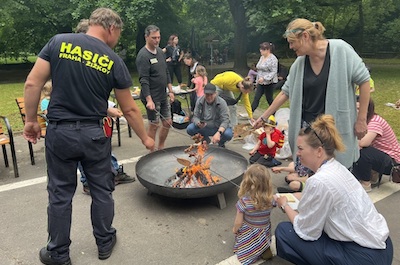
(151, 229)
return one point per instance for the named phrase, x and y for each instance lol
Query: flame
(198, 173)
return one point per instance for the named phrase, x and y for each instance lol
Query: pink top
(199, 85)
(385, 140)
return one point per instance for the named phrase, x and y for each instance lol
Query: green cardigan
(346, 70)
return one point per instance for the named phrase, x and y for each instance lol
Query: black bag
(395, 173)
(176, 108)
(231, 101)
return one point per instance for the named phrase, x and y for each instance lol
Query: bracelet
(170, 92)
(262, 118)
(283, 207)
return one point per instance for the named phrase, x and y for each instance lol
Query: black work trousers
(66, 144)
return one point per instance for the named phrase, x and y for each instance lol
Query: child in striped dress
(252, 225)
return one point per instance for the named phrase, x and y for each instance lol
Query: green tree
(29, 24)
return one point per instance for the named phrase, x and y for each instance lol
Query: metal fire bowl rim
(165, 160)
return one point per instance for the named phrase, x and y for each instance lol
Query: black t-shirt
(153, 74)
(173, 52)
(84, 70)
(314, 89)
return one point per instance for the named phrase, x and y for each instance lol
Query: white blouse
(334, 201)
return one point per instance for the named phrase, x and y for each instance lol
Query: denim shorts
(163, 111)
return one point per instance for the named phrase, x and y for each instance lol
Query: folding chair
(8, 139)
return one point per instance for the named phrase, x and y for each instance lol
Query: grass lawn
(384, 73)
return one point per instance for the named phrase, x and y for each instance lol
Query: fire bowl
(153, 169)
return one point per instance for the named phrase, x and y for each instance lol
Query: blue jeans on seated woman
(325, 250)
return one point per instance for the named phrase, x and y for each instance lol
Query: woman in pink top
(379, 149)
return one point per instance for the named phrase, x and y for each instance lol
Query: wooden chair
(42, 122)
(8, 139)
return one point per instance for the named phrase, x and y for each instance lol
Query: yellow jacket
(228, 81)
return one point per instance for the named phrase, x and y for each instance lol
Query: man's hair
(82, 26)
(149, 29)
(106, 18)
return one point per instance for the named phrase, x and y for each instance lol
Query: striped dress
(254, 236)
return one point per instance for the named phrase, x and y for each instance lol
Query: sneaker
(287, 180)
(122, 177)
(267, 254)
(366, 185)
(276, 162)
(86, 189)
(106, 254)
(46, 258)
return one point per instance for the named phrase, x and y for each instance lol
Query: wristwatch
(283, 207)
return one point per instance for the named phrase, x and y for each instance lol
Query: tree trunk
(240, 40)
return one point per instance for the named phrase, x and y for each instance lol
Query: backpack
(176, 108)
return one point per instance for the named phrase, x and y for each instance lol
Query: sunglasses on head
(309, 129)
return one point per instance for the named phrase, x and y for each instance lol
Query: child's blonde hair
(201, 71)
(257, 185)
(46, 89)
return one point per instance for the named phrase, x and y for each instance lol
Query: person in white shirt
(336, 221)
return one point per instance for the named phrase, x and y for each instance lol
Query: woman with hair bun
(336, 222)
(267, 75)
(322, 80)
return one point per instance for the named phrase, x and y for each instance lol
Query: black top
(84, 70)
(173, 52)
(153, 74)
(314, 89)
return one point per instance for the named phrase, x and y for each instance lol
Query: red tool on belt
(107, 126)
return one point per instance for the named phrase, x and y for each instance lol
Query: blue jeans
(114, 166)
(325, 250)
(207, 131)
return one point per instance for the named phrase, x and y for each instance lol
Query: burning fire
(194, 174)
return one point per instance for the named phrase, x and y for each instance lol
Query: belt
(77, 122)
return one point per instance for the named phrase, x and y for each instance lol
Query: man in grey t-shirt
(154, 78)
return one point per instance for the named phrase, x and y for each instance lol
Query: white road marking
(386, 189)
(22, 184)
(30, 182)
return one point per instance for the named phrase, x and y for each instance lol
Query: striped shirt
(385, 140)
